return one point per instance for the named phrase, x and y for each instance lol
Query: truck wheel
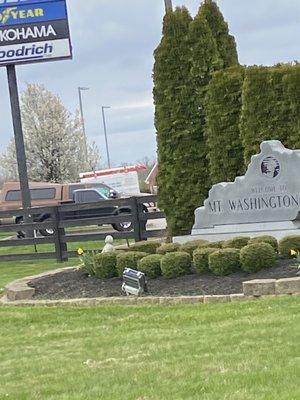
(126, 226)
(123, 226)
(47, 232)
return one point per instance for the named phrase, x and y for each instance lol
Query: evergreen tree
(191, 164)
(225, 42)
(266, 110)
(223, 110)
(184, 61)
(291, 88)
(171, 71)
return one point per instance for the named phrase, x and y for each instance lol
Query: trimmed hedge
(257, 256)
(212, 245)
(265, 239)
(168, 248)
(128, 260)
(266, 108)
(236, 243)
(224, 261)
(289, 243)
(149, 247)
(223, 110)
(150, 265)
(105, 265)
(200, 259)
(191, 246)
(175, 264)
(291, 87)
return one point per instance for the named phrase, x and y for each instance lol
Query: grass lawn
(12, 270)
(237, 351)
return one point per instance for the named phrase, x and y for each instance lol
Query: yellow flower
(294, 253)
(80, 251)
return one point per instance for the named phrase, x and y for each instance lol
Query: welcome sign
(269, 191)
(34, 31)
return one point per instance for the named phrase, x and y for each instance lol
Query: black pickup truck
(94, 195)
(86, 196)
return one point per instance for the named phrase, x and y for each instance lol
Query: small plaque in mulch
(71, 284)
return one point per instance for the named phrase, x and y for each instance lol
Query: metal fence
(59, 224)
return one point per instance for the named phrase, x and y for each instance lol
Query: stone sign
(269, 191)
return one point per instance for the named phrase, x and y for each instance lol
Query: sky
(113, 43)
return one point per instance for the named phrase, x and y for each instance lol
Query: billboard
(34, 31)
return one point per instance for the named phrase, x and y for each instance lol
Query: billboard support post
(31, 31)
(18, 133)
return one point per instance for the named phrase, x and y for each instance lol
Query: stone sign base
(223, 232)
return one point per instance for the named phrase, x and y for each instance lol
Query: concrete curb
(19, 289)
(18, 293)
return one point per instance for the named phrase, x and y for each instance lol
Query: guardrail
(58, 222)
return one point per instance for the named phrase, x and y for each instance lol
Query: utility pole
(80, 89)
(105, 134)
(168, 5)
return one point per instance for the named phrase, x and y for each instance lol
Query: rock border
(19, 293)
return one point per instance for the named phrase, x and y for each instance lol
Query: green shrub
(146, 246)
(236, 243)
(190, 247)
(168, 248)
(257, 256)
(105, 265)
(223, 111)
(213, 245)
(150, 265)
(224, 261)
(128, 260)
(200, 259)
(289, 243)
(87, 259)
(175, 264)
(265, 239)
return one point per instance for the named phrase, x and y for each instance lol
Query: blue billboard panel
(21, 2)
(27, 14)
(33, 31)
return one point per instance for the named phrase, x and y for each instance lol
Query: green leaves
(189, 52)
(223, 110)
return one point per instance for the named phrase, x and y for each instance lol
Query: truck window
(88, 196)
(104, 190)
(72, 188)
(36, 194)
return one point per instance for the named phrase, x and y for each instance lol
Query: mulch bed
(72, 284)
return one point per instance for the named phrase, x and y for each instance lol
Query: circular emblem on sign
(270, 167)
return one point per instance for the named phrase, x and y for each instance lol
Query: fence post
(60, 247)
(136, 219)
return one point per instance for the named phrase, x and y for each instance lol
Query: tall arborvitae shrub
(171, 71)
(291, 88)
(183, 67)
(225, 42)
(265, 110)
(192, 181)
(223, 110)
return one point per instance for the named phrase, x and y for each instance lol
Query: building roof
(112, 171)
